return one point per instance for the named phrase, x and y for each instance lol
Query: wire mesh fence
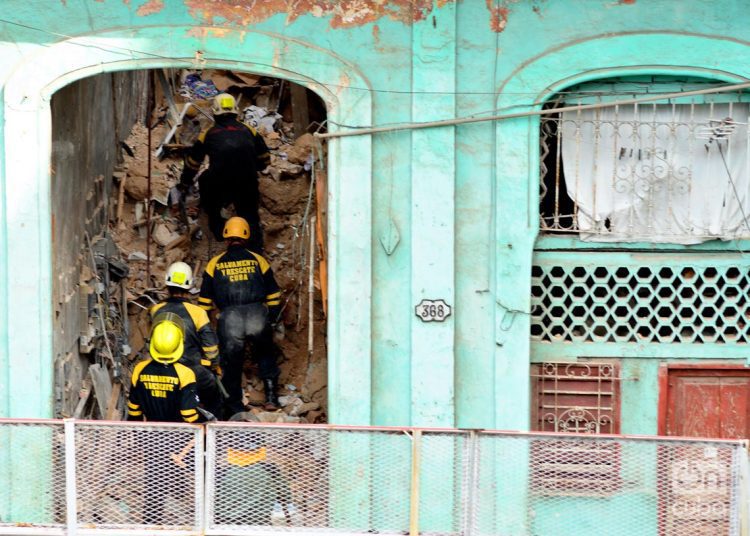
(613, 485)
(143, 478)
(32, 453)
(138, 475)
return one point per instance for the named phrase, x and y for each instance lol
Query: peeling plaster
(343, 13)
(500, 11)
(498, 16)
(149, 8)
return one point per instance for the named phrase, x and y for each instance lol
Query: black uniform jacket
(238, 277)
(201, 344)
(234, 149)
(163, 393)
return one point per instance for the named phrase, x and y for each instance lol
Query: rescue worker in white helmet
(240, 284)
(162, 388)
(237, 153)
(201, 347)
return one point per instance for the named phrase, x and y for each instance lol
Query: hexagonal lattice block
(640, 304)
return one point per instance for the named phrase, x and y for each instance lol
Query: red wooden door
(708, 403)
(694, 479)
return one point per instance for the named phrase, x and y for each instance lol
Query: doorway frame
(25, 179)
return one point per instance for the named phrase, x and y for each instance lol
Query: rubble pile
(150, 239)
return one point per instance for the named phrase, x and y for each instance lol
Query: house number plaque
(432, 310)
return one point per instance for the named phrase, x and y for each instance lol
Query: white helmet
(224, 103)
(179, 275)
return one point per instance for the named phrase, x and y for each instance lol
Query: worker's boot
(272, 400)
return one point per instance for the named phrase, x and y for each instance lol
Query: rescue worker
(162, 389)
(240, 284)
(250, 486)
(201, 348)
(237, 153)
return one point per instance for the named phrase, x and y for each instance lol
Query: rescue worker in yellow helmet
(240, 284)
(236, 153)
(201, 347)
(161, 388)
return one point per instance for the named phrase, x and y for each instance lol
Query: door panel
(708, 403)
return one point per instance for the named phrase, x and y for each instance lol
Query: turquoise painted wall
(448, 212)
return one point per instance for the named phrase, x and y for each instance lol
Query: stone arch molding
(27, 90)
(624, 54)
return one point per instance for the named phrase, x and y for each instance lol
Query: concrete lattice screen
(671, 300)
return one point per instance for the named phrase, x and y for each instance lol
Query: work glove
(216, 369)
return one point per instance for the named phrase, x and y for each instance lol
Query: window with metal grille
(577, 398)
(672, 171)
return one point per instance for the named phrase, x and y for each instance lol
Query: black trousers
(237, 325)
(217, 192)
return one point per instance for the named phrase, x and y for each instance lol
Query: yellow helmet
(167, 335)
(237, 227)
(224, 103)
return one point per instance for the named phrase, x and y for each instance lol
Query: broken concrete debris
(285, 187)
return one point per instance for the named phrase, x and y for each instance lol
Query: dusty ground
(285, 189)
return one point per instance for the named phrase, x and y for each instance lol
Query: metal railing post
(71, 495)
(416, 447)
(208, 477)
(200, 479)
(472, 483)
(744, 495)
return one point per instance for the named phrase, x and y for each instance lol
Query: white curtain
(655, 174)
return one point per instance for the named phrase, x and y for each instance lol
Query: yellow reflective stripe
(155, 308)
(205, 303)
(185, 374)
(273, 302)
(197, 315)
(188, 412)
(205, 362)
(214, 348)
(274, 295)
(137, 371)
(192, 164)
(133, 406)
(190, 419)
(264, 266)
(202, 135)
(134, 413)
(211, 266)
